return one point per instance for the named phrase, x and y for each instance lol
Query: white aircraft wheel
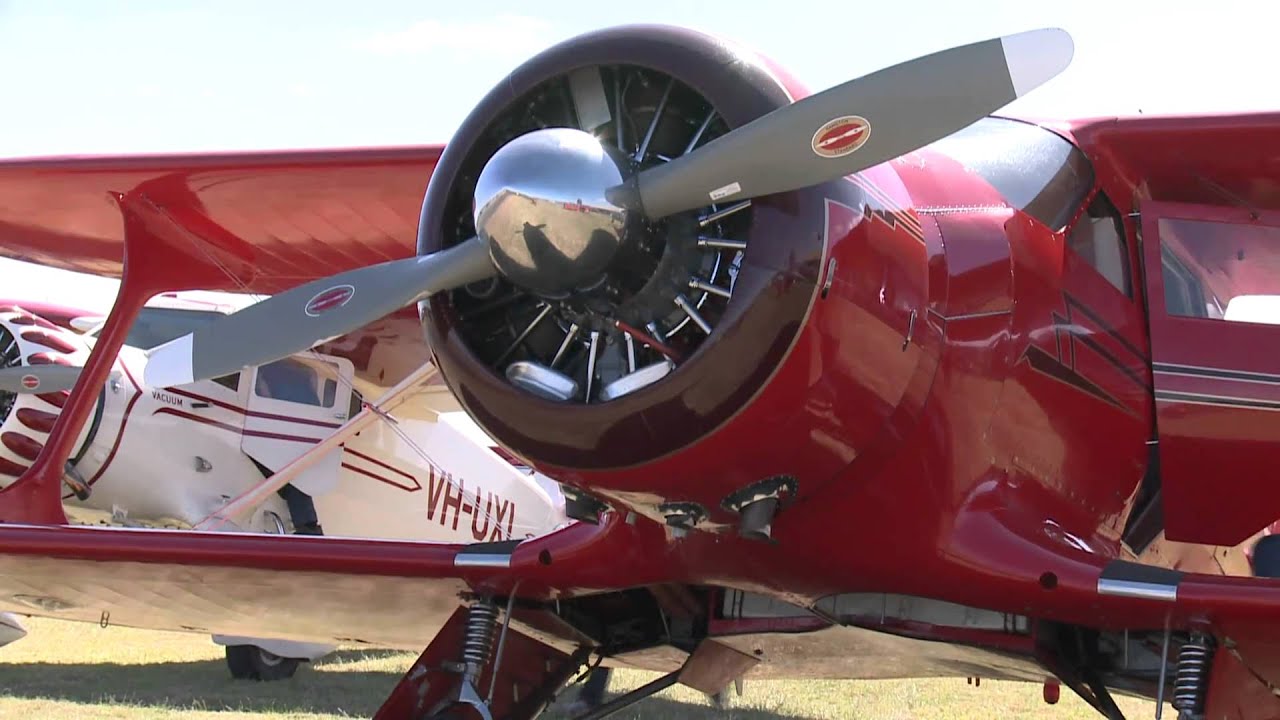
(250, 662)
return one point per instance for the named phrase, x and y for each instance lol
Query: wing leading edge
(293, 216)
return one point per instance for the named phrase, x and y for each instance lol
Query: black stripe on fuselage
(1216, 400)
(1216, 373)
(1051, 366)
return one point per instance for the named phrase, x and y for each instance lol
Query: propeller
(294, 321)
(544, 226)
(26, 379)
(857, 125)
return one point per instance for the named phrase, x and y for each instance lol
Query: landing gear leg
(633, 697)
(518, 683)
(477, 649)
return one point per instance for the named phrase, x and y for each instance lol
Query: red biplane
(864, 383)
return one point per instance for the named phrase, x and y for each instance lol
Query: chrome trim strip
(1135, 589)
(489, 560)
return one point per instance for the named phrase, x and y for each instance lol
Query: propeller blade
(857, 125)
(26, 379)
(294, 321)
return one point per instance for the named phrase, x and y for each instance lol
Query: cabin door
(1212, 277)
(293, 404)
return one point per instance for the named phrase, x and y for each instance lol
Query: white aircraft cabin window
(1221, 271)
(1098, 238)
(295, 381)
(231, 382)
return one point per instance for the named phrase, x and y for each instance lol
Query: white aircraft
(301, 445)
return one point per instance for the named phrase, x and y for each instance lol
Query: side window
(295, 381)
(1098, 238)
(1221, 270)
(231, 382)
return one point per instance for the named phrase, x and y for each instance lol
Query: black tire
(250, 662)
(1266, 557)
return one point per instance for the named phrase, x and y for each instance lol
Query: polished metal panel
(489, 560)
(632, 382)
(540, 204)
(1137, 589)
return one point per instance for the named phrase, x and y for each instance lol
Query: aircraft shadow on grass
(205, 685)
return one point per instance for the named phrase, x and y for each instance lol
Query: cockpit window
(295, 381)
(1037, 171)
(1098, 238)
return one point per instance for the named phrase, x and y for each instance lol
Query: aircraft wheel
(1266, 557)
(250, 662)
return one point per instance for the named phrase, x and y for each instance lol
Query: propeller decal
(331, 299)
(841, 136)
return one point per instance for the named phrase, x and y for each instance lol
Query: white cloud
(503, 35)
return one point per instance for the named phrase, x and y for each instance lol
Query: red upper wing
(293, 215)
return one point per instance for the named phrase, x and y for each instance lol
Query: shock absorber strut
(1190, 684)
(477, 642)
(477, 651)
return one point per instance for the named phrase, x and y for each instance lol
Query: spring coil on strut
(477, 643)
(1192, 676)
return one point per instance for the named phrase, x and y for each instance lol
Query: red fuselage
(955, 360)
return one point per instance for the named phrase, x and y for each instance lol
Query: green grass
(78, 671)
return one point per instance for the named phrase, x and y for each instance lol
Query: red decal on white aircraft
(406, 486)
(30, 382)
(841, 136)
(486, 517)
(331, 299)
(502, 507)
(453, 501)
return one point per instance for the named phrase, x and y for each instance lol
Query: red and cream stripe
(26, 429)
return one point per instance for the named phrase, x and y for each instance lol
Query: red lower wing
(318, 589)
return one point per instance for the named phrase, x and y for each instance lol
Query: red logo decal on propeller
(30, 382)
(331, 299)
(841, 136)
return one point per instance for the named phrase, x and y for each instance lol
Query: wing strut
(256, 495)
(160, 255)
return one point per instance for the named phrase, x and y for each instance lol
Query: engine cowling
(690, 328)
(26, 419)
(719, 317)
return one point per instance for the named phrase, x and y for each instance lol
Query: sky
(121, 76)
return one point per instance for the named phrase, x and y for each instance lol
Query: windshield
(1036, 170)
